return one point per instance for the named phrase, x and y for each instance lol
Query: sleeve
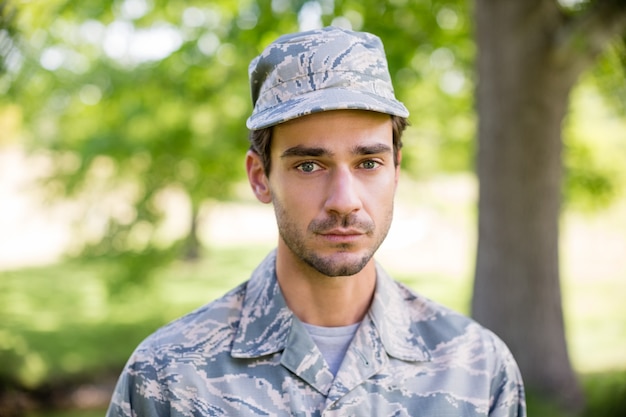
(139, 391)
(508, 398)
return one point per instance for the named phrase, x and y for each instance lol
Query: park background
(123, 203)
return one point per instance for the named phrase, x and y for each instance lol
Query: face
(332, 185)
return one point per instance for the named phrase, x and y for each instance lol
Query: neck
(322, 300)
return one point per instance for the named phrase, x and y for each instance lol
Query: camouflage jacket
(246, 354)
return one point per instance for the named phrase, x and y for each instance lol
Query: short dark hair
(261, 141)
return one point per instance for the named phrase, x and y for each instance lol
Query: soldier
(320, 329)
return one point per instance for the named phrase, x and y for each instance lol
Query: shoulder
(463, 346)
(442, 328)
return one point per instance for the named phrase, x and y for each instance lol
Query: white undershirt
(332, 342)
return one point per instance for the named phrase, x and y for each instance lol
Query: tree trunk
(192, 246)
(522, 97)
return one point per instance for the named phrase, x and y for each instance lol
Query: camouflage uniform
(246, 354)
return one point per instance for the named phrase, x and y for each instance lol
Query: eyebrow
(371, 149)
(300, 150)
(306, 151)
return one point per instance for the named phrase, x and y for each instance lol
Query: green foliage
(595, 156)
(595, 151)
(126, 124)
(609, 75)
(136, 125)
(138, 104)
(589, 185)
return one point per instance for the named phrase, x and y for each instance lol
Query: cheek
(383, 187)
(294, 196)
(379, 197)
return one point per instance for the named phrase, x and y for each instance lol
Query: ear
(257, 178)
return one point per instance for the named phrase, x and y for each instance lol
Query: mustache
(348, 221)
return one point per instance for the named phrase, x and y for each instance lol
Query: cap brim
(325, 100)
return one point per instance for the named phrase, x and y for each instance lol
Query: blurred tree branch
(586, 34)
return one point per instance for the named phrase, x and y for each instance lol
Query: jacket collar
(392, 319)
(266, 321)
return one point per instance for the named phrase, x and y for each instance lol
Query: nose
(343, 193)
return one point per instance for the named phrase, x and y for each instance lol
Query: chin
(333, 267)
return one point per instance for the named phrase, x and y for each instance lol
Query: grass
(60, 323)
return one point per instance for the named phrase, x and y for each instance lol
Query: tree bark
(522, 97)
(530, 55)
(192, 246)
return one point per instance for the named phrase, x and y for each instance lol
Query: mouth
(342, 235)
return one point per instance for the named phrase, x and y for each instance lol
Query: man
(320, 329)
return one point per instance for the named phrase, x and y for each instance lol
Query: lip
(342, 235)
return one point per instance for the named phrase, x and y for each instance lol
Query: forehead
(334, 129)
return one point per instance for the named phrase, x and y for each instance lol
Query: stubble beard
(332, 265)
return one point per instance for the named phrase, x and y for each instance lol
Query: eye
(308, 167)
(370, 164)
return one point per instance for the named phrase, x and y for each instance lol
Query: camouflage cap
(320, 70)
